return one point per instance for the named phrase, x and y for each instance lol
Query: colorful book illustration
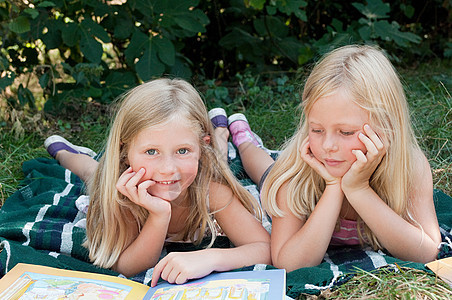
(26, 281)
(249, 285)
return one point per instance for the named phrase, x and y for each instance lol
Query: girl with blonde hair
(161, 178)
(353, 173)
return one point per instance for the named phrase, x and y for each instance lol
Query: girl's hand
(358, 176)
(178, 267)
(314, 163)
(128, 185)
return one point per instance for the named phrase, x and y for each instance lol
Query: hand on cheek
(367, 160)
(313, 162)
(132, 185)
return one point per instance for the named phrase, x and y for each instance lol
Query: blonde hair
(373, 84)
(110, 213)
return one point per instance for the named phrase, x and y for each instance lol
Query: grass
(271, 106)
(387, 283)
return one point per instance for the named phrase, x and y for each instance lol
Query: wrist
(351, 192)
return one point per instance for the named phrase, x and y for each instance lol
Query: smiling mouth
(166, 182)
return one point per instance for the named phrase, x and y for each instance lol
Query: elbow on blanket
(293, 263)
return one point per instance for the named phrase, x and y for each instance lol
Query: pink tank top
(347, 234)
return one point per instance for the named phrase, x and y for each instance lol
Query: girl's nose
(167, 166)
(330, 144)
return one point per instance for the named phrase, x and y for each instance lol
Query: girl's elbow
(291, 264)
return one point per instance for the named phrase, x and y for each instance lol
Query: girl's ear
(207, 139)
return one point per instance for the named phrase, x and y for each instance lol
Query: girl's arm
(408, 241)
(145, 250)
(401, 238)
(251, 240)
(297, 243)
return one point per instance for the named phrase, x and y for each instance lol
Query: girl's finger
(135, 179)
(181, 278)
(376, 140)
(157, 272)
(360, 156)
(370, 146)
(173, 276)
(165, 274)
(125, 176)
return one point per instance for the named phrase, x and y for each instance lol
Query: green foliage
(58, 51)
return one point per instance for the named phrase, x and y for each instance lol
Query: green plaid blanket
(41, 224)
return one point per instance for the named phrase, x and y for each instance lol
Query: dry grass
(389, 283)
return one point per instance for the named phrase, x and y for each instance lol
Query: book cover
(26, 281)
(256, 285)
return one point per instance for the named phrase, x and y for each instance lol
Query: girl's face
(334, 124)
(170, 155)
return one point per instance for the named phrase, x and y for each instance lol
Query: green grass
(386, 283)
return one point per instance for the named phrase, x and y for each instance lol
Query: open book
(27, 281)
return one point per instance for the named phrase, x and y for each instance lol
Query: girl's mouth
(168, 182)
(332, 162)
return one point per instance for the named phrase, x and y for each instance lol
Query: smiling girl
(161, 179)
(353, 173)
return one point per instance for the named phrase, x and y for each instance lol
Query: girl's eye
(151, 152)
(316, 130)
(347, 133)
(182, 151)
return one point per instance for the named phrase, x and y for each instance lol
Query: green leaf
(408, 10)
(365, 33)
(46, 4)
(19, 25)
(188, 22)
(70, 34)
(116, 83)
(149, 65)
(181, 69)
(25, 96)
(293, 7)
(6, 81)
(95, 29)
(90, 48)
(375, 9)
(94, 92)
(4, 63)
(52, 38)
(257, 4)
(271, 25)
(165, 50)
(391, 32)
(136, 46)
(32, 12)
(44, 80)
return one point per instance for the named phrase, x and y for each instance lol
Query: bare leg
(81, 165)
(222, 136)
(255, 160)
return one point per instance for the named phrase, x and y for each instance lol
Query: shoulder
(421, 167)
(220, 195)
(421, 181)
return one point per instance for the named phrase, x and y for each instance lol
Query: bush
(59, 51)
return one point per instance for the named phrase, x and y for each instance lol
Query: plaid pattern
(40, 224)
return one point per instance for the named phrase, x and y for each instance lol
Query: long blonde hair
(371, 80)
(110, 213)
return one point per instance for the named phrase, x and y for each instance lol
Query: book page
(26, 281)
(256, 285)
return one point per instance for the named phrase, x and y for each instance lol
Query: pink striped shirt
(347, 235)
